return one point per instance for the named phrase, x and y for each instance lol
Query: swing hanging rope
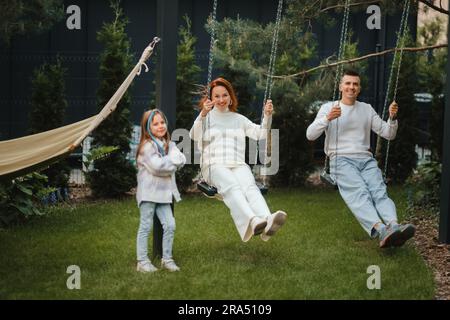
(210, 66)
(340, 69)
(268, 90)
(398, 55)
(208, 190)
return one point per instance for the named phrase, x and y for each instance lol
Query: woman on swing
(221, 131)
(358, 177)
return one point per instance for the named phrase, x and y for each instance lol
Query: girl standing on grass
(157, 160)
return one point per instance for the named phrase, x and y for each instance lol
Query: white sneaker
(145, 266)
(169, 264)
(258, 224)
(274, 222)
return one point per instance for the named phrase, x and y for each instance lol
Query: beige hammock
(26, 154)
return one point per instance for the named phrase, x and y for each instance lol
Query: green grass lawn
(320, 253)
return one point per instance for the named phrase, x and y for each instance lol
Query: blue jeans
(165, 216)
(362, 187)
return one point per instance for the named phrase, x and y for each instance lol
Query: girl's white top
(156, 174)
(353, 129)
(221, 136)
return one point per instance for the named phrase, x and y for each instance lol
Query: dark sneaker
(407, 231)
(389, 236)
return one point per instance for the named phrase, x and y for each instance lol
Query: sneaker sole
(259, 228)
(278, 221)
(265, 237)
(406, 234)
(393, 238)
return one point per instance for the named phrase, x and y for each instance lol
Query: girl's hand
(207, 106)
(268, 108)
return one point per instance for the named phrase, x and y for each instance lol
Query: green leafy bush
(424, 188)
(19, 198)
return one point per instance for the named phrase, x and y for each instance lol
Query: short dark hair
(350, 72)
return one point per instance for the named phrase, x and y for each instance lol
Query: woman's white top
(221, 136)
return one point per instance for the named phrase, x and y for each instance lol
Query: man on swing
(347, 125)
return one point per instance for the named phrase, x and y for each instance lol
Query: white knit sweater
(224, 136)
(156, 174)
(354, 126)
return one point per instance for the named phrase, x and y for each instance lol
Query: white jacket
(156, 174)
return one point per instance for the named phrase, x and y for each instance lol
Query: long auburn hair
(145, 135)
(227, 85)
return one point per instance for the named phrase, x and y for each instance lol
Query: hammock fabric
(27, 154)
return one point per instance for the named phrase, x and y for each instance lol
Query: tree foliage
(114, 175)
(48, 107)
(188, 73)
(20, 17)
(242, 56)
(431, 80)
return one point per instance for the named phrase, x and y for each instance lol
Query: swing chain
(342, 46)
(269, 86)
(397, 56)
(340, 69)
(211, 47)
(208, 87)
(273, 54)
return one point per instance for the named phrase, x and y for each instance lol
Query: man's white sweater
(353, 129)
(221, 136)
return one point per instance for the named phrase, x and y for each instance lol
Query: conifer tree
(188, 73)
(48, 106)
(113, 175)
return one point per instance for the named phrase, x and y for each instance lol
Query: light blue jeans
(362, 187)
(165, 216)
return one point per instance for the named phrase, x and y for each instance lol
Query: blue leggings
(164, 213)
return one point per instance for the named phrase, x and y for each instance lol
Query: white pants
(241, 195)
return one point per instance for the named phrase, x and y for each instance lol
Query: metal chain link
(273, 54)
(401, 30)
(208, 84)
(400, 38)
(211, 47)
(342, 46)
(269, 83)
